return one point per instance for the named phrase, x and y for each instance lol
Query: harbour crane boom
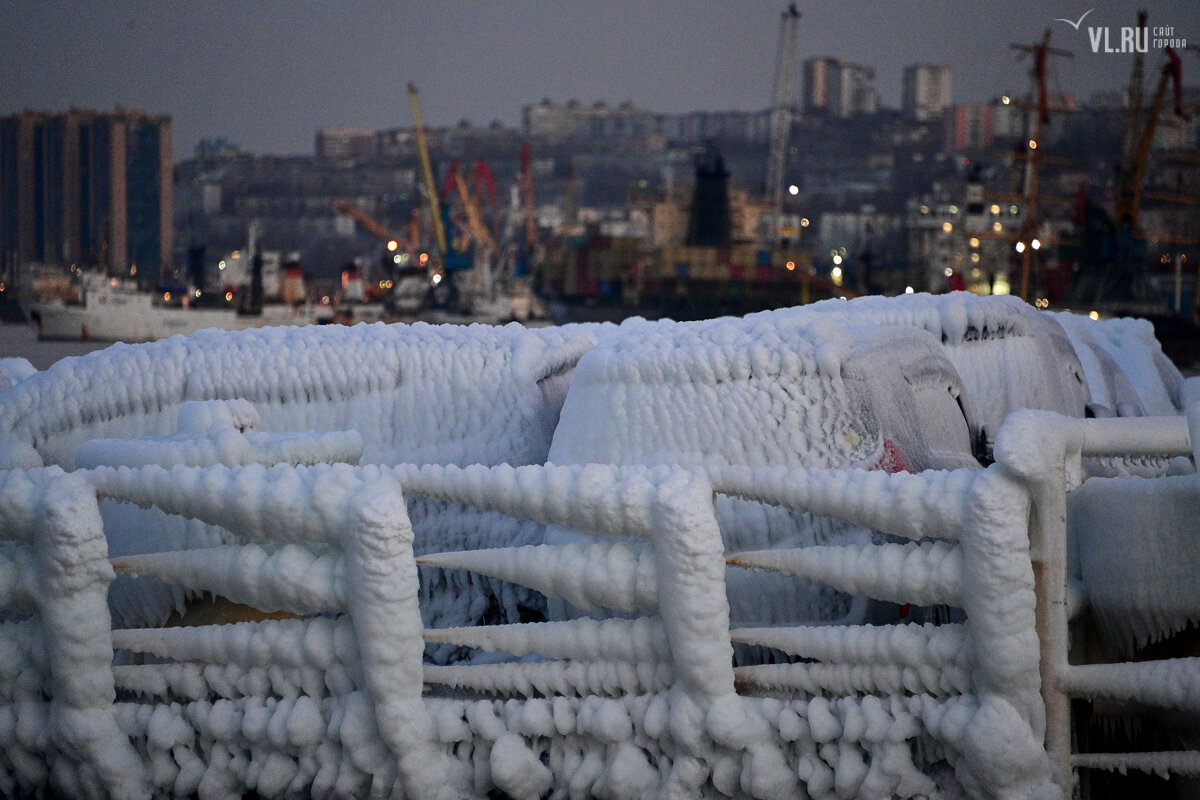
(365, 220)
(1133, 171)
(427, 170)
(781, 113)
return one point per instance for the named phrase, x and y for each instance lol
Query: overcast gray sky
(266, 74)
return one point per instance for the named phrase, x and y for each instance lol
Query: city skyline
(267, 76)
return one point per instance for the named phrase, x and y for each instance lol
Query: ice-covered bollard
(221, 432)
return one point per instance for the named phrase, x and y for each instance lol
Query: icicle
(631, 641)
(192, 681)
(1164, 763)
(317, 643)
(619, 575)
(553, 678)
(613, 501)
(929, 573)
(281, 504)
(929, 504)
(843, 679)
(291, 578)
(880, 645)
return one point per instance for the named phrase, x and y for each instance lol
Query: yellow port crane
(427, 171)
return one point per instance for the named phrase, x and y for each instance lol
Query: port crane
(1140, 137)
(484, 179)
(781, 119)
(439, 231)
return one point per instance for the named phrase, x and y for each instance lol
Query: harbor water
(20, 341)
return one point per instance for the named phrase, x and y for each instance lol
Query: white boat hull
(131, 318)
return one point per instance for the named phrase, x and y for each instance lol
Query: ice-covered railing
(332, 702)
(863, 710)
(337, 700)
(1135, 543)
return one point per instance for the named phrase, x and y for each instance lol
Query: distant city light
(793, 190)
(166, 297)
(837, 259)
(197, 293)
(804, 222)
(221, 265)
(228, 296)
(974, 241)
(947, 227)
(1033, 144)
(1020, 247)
(437, 278)
(1006, 100)
(1095, 315)
(995, 208)
(392, 245)
(997, 227)
(908, 290)
(1036, 244)
(974, 258)
(791, 265)
(947, 272)
(424, 259)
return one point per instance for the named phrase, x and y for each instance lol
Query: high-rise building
(926, 91)
(87, 188)
(853, 91)
(838, 88)
(817, 77)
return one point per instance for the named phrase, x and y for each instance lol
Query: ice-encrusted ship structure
(856, 549)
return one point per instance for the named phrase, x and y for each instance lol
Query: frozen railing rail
(336, 699)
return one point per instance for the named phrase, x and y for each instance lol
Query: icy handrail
(359, 514)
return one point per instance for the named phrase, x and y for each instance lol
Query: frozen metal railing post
(1036, 448)
(381, 599)
(65, 584)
